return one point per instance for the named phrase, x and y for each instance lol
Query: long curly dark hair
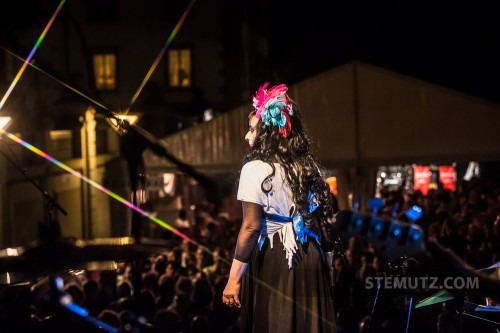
(302, 170)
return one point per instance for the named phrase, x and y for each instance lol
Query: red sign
(448, 177)
(421, 178)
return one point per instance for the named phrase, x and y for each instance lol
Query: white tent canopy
(358, 115)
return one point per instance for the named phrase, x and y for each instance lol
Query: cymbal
(122, 248)
(21, 264)
(14, 278)
(439, 297)
(492, 271)
(38, 259)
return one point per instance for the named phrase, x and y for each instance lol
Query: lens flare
(98, 186)
(162, 52)
(57, 80)
(32, 53)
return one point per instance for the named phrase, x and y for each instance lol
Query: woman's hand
(230, 295)
(247, 241)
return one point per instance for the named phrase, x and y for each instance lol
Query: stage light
(4, 121)
(131, 118)
(121, 122)
(414, 213)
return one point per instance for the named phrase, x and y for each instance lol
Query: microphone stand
(338, 249)
(131, 149)
(134, 140)
(409, 298)
(133, 143)
(139, 139)
(50, 236)
(459, 303)
(374, 306)
(51, 230)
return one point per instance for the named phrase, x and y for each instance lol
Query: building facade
(139, 58)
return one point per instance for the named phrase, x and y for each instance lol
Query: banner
(422, 178)
(448, 177)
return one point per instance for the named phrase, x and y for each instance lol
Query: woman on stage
(279, 268)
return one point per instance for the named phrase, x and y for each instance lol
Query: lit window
(179, 68)
(105, 71)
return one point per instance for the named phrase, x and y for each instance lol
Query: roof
(358, 114)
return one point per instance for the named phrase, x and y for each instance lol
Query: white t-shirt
(278, 201)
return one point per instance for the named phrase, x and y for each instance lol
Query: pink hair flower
(273, 107)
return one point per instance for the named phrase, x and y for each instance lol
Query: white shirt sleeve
(251, 177)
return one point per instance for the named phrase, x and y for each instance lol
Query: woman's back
(278, 201)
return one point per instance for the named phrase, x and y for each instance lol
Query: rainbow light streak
(32, 53)
(57, 80)
(100, 187)
(79, 175)
(160, 55)
(137, 209)
(64, 84)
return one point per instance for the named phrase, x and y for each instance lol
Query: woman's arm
(447, 261)
(247, 241)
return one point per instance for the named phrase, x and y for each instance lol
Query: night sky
(451, 43)
(454, 43)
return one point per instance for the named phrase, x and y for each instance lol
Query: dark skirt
(276, 299)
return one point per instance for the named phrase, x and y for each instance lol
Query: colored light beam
(160, 55)
(57, 80)
(100, 187)
(32, 53)
(146, 214)
(108, 113)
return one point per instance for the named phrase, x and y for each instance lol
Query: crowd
(181, 289)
